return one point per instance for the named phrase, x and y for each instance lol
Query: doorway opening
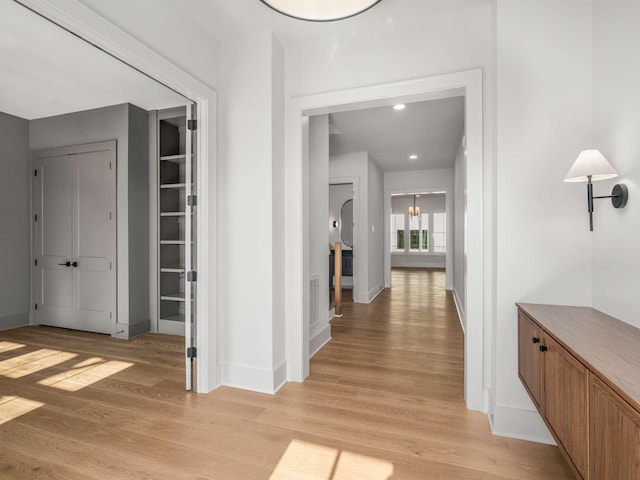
(469, 86)
(103, 96)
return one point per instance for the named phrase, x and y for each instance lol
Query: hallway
(383, 402)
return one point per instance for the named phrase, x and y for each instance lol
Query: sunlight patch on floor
(308, 461)
(84, 374)
(33, 362)
(8, 346)
(13, 407)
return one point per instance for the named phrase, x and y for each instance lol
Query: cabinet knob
(543, 348)
(535, 340)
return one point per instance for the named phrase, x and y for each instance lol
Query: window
(414, 233)
(397, 233)
(424, 233)
(440, 232)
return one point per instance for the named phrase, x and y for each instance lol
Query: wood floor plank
(384, 401)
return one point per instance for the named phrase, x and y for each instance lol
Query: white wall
(158, 24)
(375, 229)
(543, 119)
(459, 225)
(252, 340)
(616, 97)
(356, 166)
(318, 219)
(15, 257)
(115, 123)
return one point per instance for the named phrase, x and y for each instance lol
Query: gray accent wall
(128, 125)
(14, 221)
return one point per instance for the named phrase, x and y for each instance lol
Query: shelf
(173, 297)
(172, 242)
(173, 185)
(173, 270)
(172, 214)
(174, 158)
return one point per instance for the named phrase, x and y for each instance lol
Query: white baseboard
(254, 379)
(461, 315)
(332, 313)
(374, 292)
(14, 321)
(319, 340)
(519, 423)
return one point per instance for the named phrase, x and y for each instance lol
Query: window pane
(397, 233)
(414, 232)
(424, 223)
(440, 232)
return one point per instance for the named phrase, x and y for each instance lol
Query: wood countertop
(607, 346)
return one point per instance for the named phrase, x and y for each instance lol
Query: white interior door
(190, 248)
(75, 237)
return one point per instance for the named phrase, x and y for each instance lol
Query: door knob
(65, 264)
(74, 264)
(535, 340)
(543, 348)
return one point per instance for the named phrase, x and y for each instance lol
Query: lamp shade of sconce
(590, 163)
(320, 11)
(591, 166)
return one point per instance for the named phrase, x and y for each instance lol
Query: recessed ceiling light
(325, 11)
(400, 106)
(413, 157)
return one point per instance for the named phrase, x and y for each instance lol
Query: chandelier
(414, 210)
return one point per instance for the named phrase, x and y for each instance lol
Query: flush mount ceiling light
(320, 10)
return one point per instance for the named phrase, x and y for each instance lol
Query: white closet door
(53, 207)
(75, 241)
(91, 240)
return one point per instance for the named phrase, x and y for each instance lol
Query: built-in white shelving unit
(172, 183)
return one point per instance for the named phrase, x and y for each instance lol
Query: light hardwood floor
(383, 401)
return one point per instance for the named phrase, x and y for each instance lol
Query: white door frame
(387, 228)
(467, 83)
(90, 26)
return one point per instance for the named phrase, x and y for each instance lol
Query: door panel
(56, 287)
(566, 391)
(93, 206)
(190, 247)
(530, 357)
(56, 199)
(53, 204)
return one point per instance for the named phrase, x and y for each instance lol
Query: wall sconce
(591, 166)
(336, 223)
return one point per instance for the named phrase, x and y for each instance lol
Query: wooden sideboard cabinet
(581, 368)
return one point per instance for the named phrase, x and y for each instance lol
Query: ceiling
(226, 19)
(432, 130)
(47, 71)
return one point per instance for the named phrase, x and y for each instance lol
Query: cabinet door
(530, 358)
(615, 435)
(566, 390)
